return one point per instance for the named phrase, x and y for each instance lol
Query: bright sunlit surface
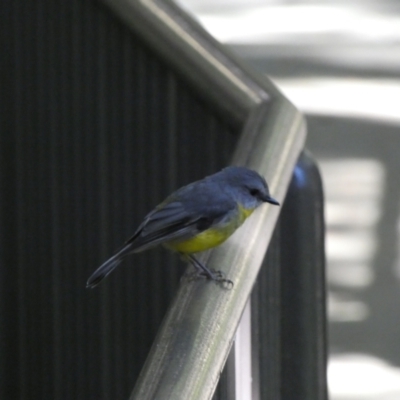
(351, 36)
(262, 23)
(372, 99)
(362, 377)
(272, 22)
(353, 194)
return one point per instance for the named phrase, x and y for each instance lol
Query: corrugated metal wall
(95, 131)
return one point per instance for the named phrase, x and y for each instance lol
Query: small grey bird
(195, 218)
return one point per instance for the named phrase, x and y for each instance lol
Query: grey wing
(164, 224)
(173, 221)
(200, 206)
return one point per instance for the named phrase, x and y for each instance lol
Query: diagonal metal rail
(194, 340)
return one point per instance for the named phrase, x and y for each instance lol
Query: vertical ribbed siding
(97, 132)
(266, 323)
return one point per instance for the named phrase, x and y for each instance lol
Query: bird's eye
(254, 192)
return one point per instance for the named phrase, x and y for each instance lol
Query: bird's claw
(217, 276)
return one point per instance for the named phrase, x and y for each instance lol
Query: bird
(195, 218)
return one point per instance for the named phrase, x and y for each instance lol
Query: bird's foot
(216, 276)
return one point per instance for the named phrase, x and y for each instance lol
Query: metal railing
(198, 331)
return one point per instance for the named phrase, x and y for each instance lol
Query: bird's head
(248, 186)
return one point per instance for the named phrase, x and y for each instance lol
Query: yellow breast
(212, 237)
(244, 213)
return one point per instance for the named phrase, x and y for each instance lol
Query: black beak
(269, 199)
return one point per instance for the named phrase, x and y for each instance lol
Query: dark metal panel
(9, 350)
(303, 329)
(99, 131)
(216, 73)
(288, 301)
(266, 324)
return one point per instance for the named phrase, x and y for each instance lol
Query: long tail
(107, 267)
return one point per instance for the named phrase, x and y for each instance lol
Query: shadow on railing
(198, 331)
